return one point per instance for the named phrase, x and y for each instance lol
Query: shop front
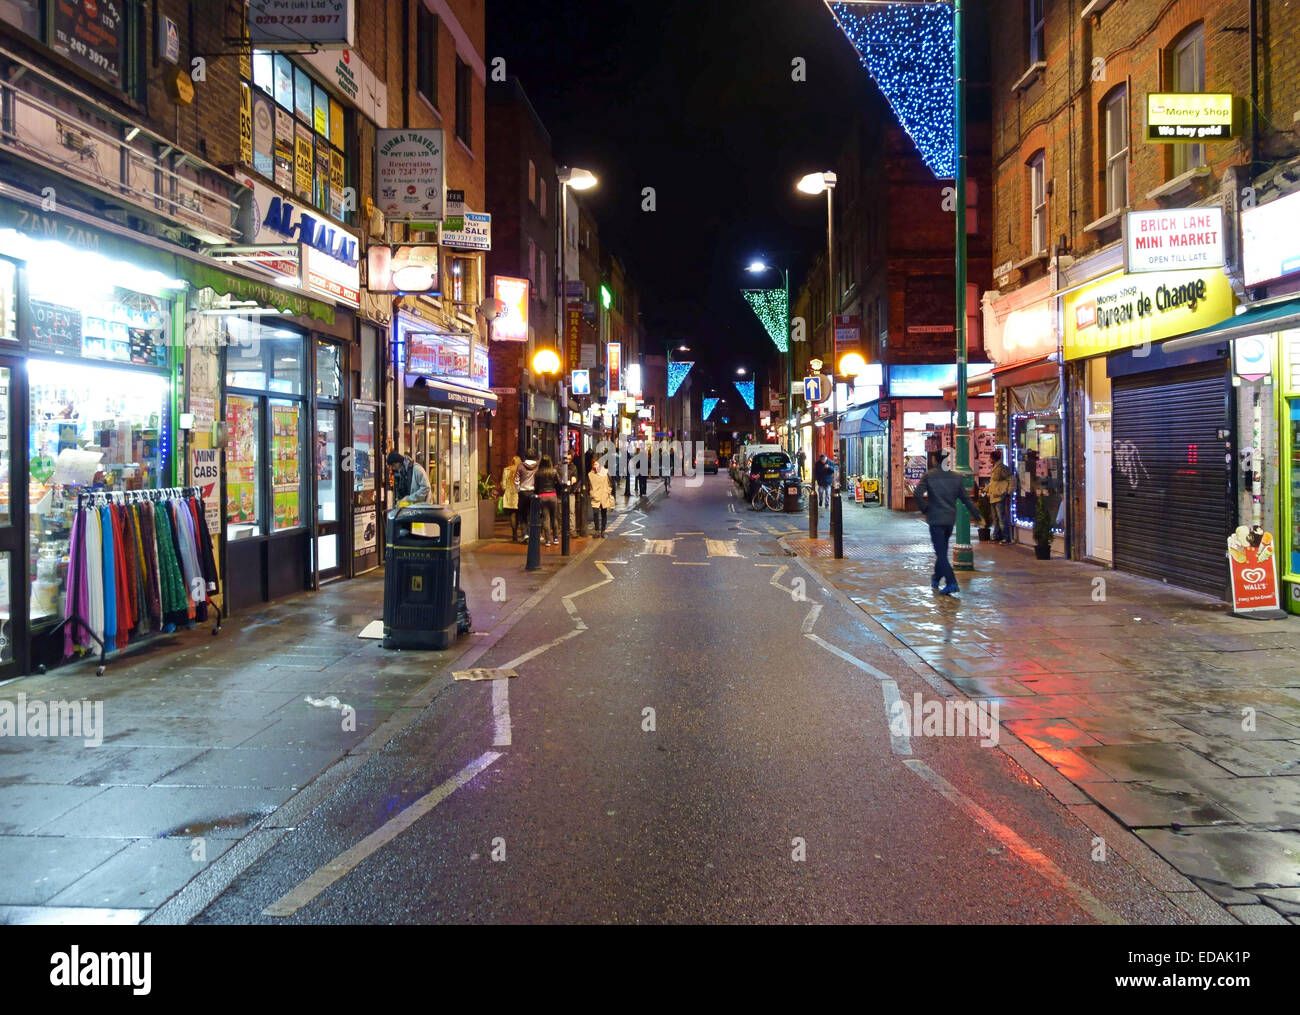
(1172, 422)
(865, 439)
(542, 424)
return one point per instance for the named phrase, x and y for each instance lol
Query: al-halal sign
(409, 174)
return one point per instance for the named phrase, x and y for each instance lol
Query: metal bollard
(812, 512)
(564, 524)
(534, 536)
(837, 523)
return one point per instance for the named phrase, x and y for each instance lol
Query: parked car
(740, 465)
(709, 463)
(772, 467)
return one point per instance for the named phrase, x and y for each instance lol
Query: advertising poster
(512, 326)
(285, 469)
(302, 162)
(241, 471)
(1254, 576)
(284, 149)
(263, 136)
(301, 22)
(365, 533)
(409, 174)
(205, 473)
(91, 35)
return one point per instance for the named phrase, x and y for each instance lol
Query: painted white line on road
(690, 533)
(500, 713)
(532, 653)
(899, 743)
(776, 578)
(864, 667)
(294, 900)
(658, 548)
(731, 507)
(811, 619)
(1033, 857)
(691, 563)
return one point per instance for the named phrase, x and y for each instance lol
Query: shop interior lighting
(93, 272)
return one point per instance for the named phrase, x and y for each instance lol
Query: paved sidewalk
(205, 737)
(1176, 718)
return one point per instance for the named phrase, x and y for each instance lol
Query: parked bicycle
(768, 497)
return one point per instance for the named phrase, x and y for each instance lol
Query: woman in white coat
(602, 496)
(510, 496)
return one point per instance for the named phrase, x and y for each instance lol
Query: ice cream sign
(1254, 577)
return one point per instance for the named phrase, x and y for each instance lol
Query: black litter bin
(792, 505)
(423, 604)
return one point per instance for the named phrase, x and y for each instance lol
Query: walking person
(672, 464)
(602, 496)
(643, 471)
(546, 488)
(823, 473)
(937, 495)
(802, 459)
(510, 495)
(999, 491)
(525, 482)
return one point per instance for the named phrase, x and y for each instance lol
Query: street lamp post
(578, 179)
(816, 183)
(964, 554)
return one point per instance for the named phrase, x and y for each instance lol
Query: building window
(464, 104)
(532, 182)
(300, 140)
(426, 48)
(541, 276)
(541, 196)
(1037, 44)
(1187, 74)
(532, 263)
(1115, 124)
(1038, 203)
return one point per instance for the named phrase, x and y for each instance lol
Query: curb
(1150, 865)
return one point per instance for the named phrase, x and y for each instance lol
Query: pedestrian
(547, 490)
(525, 482)
(602, 496)
(999, 492)
(937, 495)
(802, 459)
(510, 495)
(410, 481)
(672, 465)
(823, 473)
(642, 470)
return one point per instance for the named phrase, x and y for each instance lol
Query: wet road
(698, 732)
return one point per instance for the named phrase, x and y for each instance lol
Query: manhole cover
(483, 674)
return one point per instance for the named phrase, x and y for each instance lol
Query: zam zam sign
(330, 265)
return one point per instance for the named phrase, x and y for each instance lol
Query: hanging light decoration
(773, 311)
(907, 48)
(746, 389)
(677, 371)
(709, 405)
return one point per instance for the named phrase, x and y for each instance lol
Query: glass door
(13, 627)
(329, 545)
(365, 472)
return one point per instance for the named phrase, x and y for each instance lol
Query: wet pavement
(1179, 720)
(205, 737)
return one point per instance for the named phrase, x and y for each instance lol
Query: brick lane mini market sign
(1174, 240)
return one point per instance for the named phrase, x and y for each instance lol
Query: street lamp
(816, 183)
(756, 267)
(578, 179)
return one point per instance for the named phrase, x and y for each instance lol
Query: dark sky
(693, 98)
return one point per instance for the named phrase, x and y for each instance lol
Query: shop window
(1187, 74)
(105, 41)
(299, 135)
(1115, 125)
(426, 35)
(91, 426)
(243, 477)
(329, 370)
(1038, 464)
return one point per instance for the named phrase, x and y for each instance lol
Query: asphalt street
(697, 732)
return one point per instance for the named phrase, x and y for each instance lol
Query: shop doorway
(13, 629)
(1100, 487)
(329, 545)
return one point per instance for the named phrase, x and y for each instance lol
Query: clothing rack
(101, 498)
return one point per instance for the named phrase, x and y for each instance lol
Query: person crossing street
(937, 495)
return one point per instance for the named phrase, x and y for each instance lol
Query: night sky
(693, 98)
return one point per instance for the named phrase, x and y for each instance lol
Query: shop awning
(1258, 320)
(423, 390)
(226, 282)
(862, 422)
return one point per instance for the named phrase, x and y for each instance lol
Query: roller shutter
(1171, 482)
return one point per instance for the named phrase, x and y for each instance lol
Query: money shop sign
(1128, 311)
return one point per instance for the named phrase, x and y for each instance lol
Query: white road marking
(865, 667)
(691, 563)
(1035, 858)
(811, 619)
(295, 899)
(731, 507)
(658, 548)
(722, 548)
(500, 713)
(690, 533)
(899, 743)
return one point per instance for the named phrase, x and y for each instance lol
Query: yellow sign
(245, 124)
(1128, 311)
(1189, 117)
(302, 163)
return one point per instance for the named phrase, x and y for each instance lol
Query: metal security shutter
(1170, 480)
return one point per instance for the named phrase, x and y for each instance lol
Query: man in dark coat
(937, 495)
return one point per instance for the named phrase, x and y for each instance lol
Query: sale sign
(1254, 576)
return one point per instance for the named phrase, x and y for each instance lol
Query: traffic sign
(581, 382)
(817, 389)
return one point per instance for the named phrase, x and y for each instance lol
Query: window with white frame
(1038, 203)
(1188, 75)
(1037, 32)
(1115, 125)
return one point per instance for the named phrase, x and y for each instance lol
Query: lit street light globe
(546, 361)
(852, 364)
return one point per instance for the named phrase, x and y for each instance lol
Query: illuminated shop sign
(1190, 117)
(1174, 240)
(512, 325)
(1270, 240)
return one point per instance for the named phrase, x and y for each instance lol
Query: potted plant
(1042, 530)
(487, 506)
(986, 513)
